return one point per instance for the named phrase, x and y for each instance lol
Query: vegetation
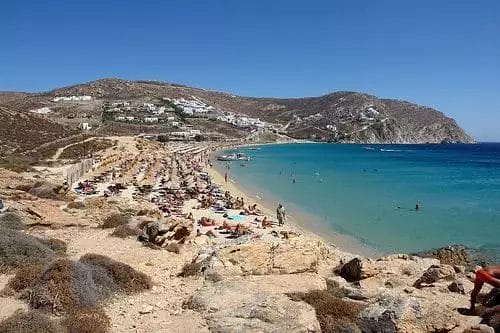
(115, 220)
(87, 320)
(84, 149)
(29, 322)
(124, 231)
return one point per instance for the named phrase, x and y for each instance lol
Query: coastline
(300, 221)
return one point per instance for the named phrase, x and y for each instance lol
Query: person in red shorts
(488, 274)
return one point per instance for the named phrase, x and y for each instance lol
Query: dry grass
(115, 220)
(30, 322)
(11, 220)
(127, 279)
(84, 149)
(124, 231)
(87, 320)
(335, 315)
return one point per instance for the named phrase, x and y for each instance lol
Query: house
(151, 119)
(129, 118)
(120, 118)
(85, 126)
(43, 110)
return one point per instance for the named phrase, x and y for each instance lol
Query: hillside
(340, 116)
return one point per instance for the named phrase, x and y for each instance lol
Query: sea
(392, 198)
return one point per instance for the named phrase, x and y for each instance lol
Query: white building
(129, 118)
(151, 119)
(72, 98)
(85, 126)
(43, 110)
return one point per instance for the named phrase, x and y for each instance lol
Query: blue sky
(440, 53)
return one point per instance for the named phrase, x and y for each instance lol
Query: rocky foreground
(277, 279)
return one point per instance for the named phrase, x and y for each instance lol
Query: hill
(350, 117)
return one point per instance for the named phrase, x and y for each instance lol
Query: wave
(382, 149)
(369, 148)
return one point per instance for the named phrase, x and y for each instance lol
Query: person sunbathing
(206, 222)
(266, 222)
(489, 275)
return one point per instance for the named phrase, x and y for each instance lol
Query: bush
(127, 278)
(125, 231)
(334, 314)
(25, 276)
(87, 320)
(115, 220)
(11, 220)
(17, 163)
(29, 322)
(46, 191)
(18, 249)
(56, 245)
(190, 269)
(76, 205)
(66, 285)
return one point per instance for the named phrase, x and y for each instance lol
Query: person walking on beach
(225, 177)
(280, 214)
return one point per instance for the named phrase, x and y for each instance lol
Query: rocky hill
(341, 116)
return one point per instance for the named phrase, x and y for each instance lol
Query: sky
(440, 53)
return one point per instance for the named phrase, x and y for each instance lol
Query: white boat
(234, 157)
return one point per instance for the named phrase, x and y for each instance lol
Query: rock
(258, 303)
(434, 274)
(356, 270)
(351, 271)
(147, 309)
(457, 287)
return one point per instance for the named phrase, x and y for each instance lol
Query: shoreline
(297, 221)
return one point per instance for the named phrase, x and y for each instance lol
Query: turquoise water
(356, 190)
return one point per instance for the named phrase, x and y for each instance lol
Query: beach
(213, 262)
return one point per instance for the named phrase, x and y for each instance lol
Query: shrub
(127, 278)
(18, 249)
(46, 191)
(76, 205)
(191, 269)
(25, 276)
(334, 314)
(87, 320)
(115, 220)
(66, 285)
(124, 231)
(11, 220)
(57, 245)
(29, 322)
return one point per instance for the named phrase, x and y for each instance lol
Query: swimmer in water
(417, 207)
(293, 181)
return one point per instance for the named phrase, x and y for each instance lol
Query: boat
(234, 157)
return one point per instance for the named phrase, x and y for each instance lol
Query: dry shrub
(25, 276)
(125, 231)
(46, 191)
(76, 205)
(18, 249)
(115, 220)
(66, 285)
(334, 314)
(56, 245)
(173, 247)
(190, 269)
(87, 320)
(29, 322)
(11, 220)
(53, 289)
(127, 278)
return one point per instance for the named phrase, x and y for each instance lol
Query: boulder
(258, 303)
(457, 287)
(356, 270)
(434, 274)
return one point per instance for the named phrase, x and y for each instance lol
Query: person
(225, 177)
(489, 275)
(417, 207)
(280, 214)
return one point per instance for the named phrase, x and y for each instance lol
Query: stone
(457, 287)
(147, 309)
(434, 274)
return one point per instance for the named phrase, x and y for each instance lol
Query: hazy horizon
(443, 55)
